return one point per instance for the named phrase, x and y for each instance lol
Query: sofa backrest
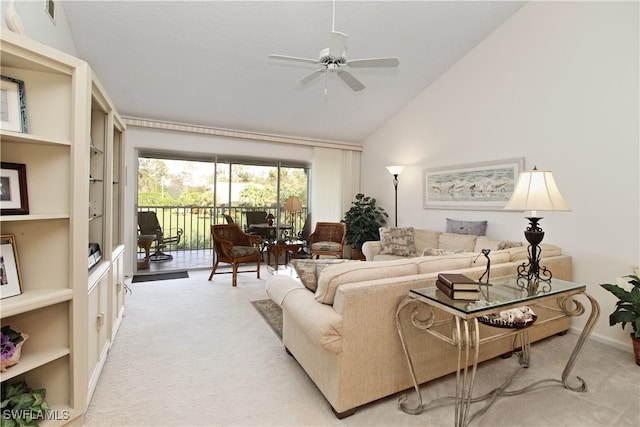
(425, 239)
(334, 276)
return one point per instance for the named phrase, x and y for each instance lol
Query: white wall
(556, 84)
(38, 26)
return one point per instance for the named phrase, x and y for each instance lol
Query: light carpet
(199, 354)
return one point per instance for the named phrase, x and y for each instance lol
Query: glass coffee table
(461, 329)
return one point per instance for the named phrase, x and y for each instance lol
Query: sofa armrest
(370, 249)
(319, 322)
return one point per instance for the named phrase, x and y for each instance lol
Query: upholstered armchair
(235, 247)
(327, 239)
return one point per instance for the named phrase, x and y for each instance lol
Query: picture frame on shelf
(13, 106)
(476, 186)
(14, 199)
(10, 280)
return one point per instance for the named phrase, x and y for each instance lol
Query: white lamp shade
(293, 204)
(395, 170)
(536, 191)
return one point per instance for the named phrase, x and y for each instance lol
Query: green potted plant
(363, 220)
(22, 406)
(627, 309)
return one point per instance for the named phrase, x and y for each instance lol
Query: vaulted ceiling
(206, 62)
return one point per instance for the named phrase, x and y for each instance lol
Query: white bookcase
(73, 153)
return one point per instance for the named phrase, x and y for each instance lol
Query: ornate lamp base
(531, 270)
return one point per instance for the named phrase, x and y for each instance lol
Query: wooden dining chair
(234, 246)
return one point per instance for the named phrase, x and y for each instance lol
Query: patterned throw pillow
(308, 270)
(397, 241)
(477, 228)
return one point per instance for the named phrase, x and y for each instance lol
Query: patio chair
(327, 239)
(148, 225)
(255, 217)
(235, 247)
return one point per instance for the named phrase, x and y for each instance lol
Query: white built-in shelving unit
(73, 153)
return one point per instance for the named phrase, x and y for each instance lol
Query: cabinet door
(117, 294)
(98, 337)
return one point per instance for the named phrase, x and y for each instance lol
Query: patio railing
(195, 221)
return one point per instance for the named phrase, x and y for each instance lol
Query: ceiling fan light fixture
(333, 59)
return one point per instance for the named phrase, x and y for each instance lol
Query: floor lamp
(535, 191)
(395, 171)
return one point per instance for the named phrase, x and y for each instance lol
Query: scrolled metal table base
(465, 336)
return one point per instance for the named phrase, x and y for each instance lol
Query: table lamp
(270, 219)
(292, 205)
(535, 191)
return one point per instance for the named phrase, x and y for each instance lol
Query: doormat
(272, 314)
(160, 276)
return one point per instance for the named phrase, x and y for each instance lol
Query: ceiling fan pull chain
(326, 91)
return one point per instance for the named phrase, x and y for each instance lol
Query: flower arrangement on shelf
(10, 347)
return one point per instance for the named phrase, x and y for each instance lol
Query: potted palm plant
(627, 309)
(363, 220)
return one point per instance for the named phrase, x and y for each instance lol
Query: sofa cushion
(308, 270)
(425, 239)
(457, 242)
(436, 264)
(477, 228)
(497, 257)
(483, 242)
(336, 275)
(521, 253)
(397, 241)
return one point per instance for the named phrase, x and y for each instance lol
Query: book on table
(457, 281)
(458, 294)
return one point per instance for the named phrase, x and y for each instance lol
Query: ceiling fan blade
(374, 62)
(350, 80)
(295, 58)
(311, 77)
(337, 44)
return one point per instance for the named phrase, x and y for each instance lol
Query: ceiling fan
(334, 60)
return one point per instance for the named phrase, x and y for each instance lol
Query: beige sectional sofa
(431, 242)
(344, 333)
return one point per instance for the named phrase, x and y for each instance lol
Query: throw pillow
(308, 270)
(477, 228)
(397, 241)
(436, 252)
(508, 244)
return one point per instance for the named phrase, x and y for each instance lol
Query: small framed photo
(10, 282)
(13, 189)
(13, 107)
